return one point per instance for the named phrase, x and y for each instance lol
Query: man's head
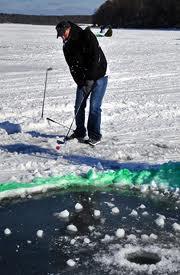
(63, 29)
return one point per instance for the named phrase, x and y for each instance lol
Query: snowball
(40, 233)
(72, 228)
(86, 240)
(72, 241)
(63, 214)
(91, 228)
(78, 206)
(97, 213)
(144, 237)
(107, 239)
(7, 231)
(120, 233)
(144, 188)
(153, 236)
(133, 213)
(145, 213)
(131, 238)
(160, 221)
(71, 263)
(99, 166)
(176, 227)
(115, 210)
(142, 206)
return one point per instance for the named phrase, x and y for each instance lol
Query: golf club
(45, 85)
(65, 138)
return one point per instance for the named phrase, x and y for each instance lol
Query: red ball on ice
(58, 147)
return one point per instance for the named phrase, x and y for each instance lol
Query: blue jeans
(94, 119)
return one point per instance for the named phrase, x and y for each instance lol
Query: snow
(140, 115)
(140, 128)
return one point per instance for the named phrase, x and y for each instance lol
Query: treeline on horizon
(117, 13)
(42, 19)
(139, 13)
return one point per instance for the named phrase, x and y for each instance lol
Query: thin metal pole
(48, 69)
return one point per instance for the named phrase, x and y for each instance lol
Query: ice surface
(141, 129)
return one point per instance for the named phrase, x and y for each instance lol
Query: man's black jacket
(84, 56)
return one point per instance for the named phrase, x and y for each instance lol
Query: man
(87, 64)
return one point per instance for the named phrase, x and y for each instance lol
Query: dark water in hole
(23, 253)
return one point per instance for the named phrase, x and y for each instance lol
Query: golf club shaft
(45, 85)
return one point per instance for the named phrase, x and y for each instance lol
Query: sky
(50, 7)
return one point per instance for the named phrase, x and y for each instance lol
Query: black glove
(87, 88)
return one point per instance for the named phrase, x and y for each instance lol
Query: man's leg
(94, 120)
(80, 117)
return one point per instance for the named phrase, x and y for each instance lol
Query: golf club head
(49, 69)
(61, 141)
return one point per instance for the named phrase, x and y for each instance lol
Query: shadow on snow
(10, 128)
(38, 134)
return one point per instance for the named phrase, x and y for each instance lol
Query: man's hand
(88, 87)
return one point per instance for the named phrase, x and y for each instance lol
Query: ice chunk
(120, 233)
(145, 213)
(63, 214)
(115, 210)
(131, 238)
(40, 233)
(72, 228)
(176, 227)
(144, 238)
(7, 231)
(91, 227)
(71, 263)
(97, 213)
(72, 241)
(153, 236)
(142, 206)
(86, 240)
(144, 188)
(107, 239)
(133, 213)
(160, 221)
(78, 207)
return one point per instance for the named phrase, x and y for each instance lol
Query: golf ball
(58, 147)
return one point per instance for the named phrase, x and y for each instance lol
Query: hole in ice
(143, 257)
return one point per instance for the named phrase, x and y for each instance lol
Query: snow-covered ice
(140, 127)
(140, 111)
